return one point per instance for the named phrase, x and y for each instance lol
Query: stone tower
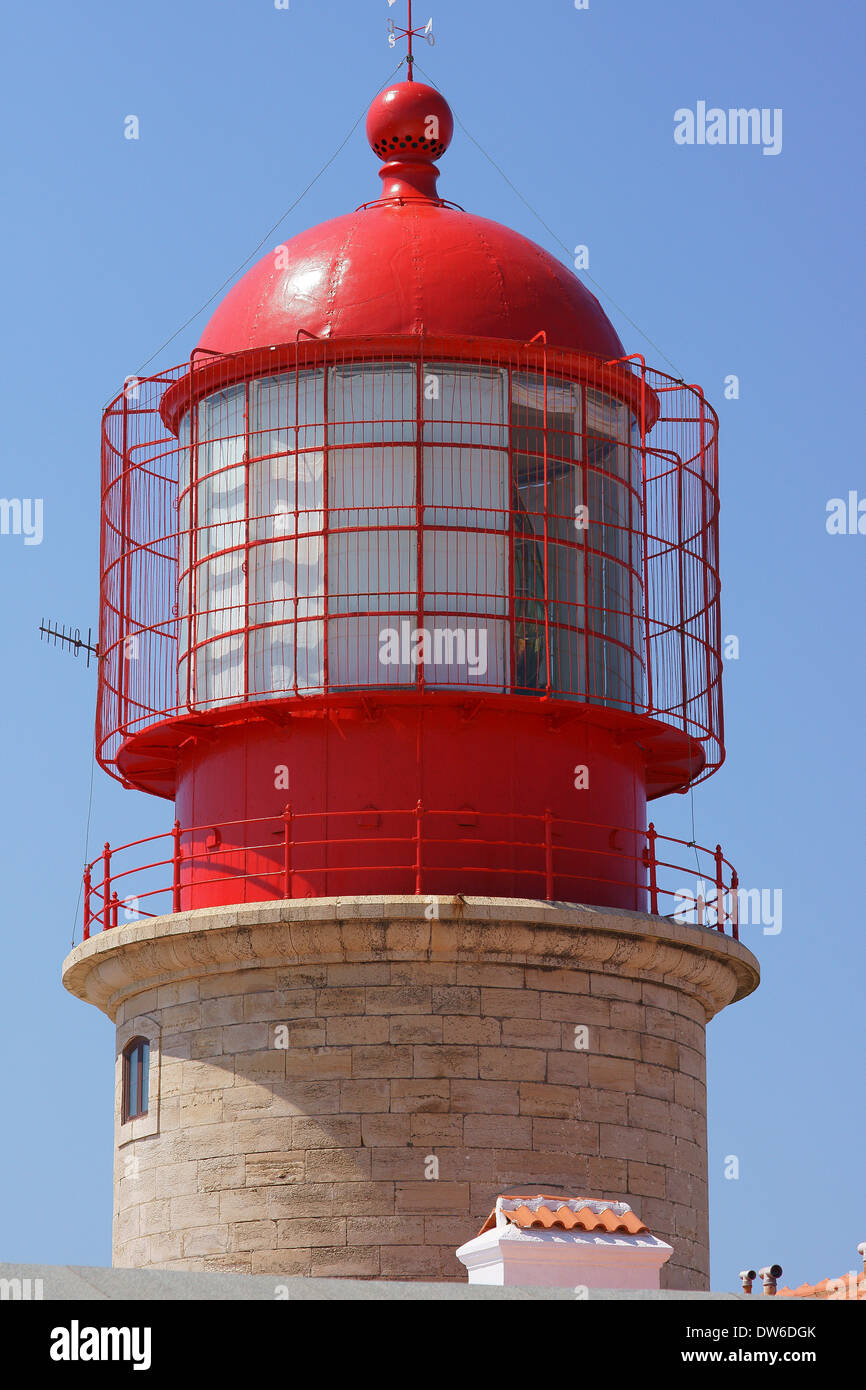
(409, 1038)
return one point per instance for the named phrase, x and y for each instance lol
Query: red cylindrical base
(437, 797)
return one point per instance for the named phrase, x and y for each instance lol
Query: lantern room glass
(393, 525)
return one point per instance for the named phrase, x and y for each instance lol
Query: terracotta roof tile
(544, 1212)
(846, 1286)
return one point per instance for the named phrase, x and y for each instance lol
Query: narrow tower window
(136, 1067)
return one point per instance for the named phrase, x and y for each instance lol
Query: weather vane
(395, 34)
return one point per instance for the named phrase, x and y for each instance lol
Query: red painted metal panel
(360, 762)
(417, 268)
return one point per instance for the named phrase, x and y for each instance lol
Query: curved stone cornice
(126, 961)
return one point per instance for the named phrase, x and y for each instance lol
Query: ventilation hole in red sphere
(387, 146)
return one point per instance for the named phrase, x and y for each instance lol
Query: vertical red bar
(287, 852)
(420, 602)
(512, 502)
(175, 861)
(419, 813)
(327, 407)
(245, 461)
(651, 838)
(106, 883)
(711, 637)
(548, 856)
(735, 905)
(546, 531)
(195, 409)
(681, 592)
(297, 440)
(720, 891)
(114, 907)
(123, 557)
(585, 690)
(646, 575)
(86, 936)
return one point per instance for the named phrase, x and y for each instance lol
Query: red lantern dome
(409, 575)
(410, 263)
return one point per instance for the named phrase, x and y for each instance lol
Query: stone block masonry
(342, 1087)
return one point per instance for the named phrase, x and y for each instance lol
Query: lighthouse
(410, 606)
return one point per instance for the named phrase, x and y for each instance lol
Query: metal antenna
(70, 641)
(395, 34)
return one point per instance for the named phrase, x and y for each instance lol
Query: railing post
(548, 855)
(114, 906)
(720, 891)
(287, 852)
(419, 813)
(86, 936)
(735, 905)
(651, 837)
(106, 883)
(175, 867)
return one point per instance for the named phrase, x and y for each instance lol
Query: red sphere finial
(410, 126)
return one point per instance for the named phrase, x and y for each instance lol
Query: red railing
(547, 858)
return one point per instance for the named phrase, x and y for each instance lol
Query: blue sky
(733, 262)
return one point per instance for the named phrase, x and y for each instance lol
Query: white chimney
(558, 1242)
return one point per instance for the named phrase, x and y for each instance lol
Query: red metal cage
(267, 515)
